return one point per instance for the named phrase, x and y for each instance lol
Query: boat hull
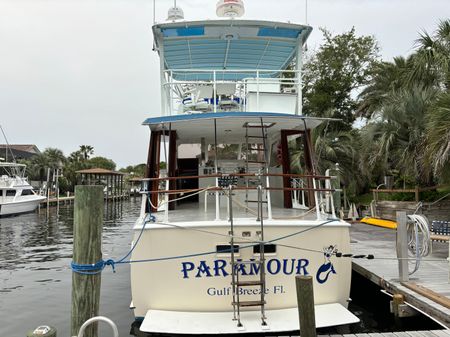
(22, 206)
(197, 279)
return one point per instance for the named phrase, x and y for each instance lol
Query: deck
(192, 211)
(429, 333)
(432, 278)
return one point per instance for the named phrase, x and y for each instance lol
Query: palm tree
(432, 61)
(437, 143)
(387, 78)
(86, 150)
(394, 138)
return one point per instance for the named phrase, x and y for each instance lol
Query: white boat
(16, 194)
(223, 256)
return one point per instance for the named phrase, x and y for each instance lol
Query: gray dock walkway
(429, 333)
(432, 276)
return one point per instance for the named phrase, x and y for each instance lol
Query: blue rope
(92, 269)
(97, 268)
(214, 252)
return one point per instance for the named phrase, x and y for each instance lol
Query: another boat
(223, 256)
(16, 194)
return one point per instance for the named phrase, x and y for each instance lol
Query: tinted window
(10, 193)
(226, 249)
(268, 249)
(27, 192)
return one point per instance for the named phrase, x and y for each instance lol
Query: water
(35, 278)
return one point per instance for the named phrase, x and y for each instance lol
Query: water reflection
(35, 254)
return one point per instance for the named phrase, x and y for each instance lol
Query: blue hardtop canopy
(231, 127)
(229, 45)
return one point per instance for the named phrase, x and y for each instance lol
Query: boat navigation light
(230, 8)
(175, 13)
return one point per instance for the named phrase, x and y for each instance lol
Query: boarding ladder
(236, 265)
(236, 282)
(264, 161)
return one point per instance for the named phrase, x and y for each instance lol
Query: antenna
(230, 8)
(7, 146)
(154, 12)
(306, 11)
(175, 13)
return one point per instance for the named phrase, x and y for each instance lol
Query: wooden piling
(87, 237)
(402, 246)
(305, 302)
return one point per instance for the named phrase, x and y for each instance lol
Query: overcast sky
(78, 72)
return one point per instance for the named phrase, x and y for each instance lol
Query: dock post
(402, 246)
(305, 302)
(87, 238)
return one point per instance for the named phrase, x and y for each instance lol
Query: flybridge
(228, 45)
(230, 65)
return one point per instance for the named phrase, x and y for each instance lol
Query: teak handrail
(215, 189)
(224, 175)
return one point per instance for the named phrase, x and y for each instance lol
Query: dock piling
(87, 236)
(305, 302)
(402, 246)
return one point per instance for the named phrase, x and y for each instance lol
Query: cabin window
(10, 193)
(226, 249)
(1, 193)
(27, 192)
(268, 249)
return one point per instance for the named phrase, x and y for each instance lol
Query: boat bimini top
(230, 126)
(229, 45)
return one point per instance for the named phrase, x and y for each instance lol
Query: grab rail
(98, 319)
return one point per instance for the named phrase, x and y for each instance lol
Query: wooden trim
(439, 237)
(172, 166)
(286, 165)
(239, 175)
(239, 189)
(428, 293)
(152, 170)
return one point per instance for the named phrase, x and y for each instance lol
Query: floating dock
(428, 289)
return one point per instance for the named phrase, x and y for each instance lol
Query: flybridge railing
(221, 90)
(321, 194)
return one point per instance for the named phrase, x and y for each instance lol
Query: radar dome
(175, 13)
(230, 8)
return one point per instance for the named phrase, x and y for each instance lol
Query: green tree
(38, 165)
(431, 62)
(437, 142)
(332, 76)
(393, 138)
(102, 162)
(86, 151)
(387, 77)
(407, 106)
(135, 171)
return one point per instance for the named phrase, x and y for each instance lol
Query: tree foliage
(341, 66)
(407, 106)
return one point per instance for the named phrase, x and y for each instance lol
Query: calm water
(35, 278)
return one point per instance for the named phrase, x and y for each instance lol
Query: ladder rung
(259, 137)
(250, 303)
(248, 283)
(264, 202)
